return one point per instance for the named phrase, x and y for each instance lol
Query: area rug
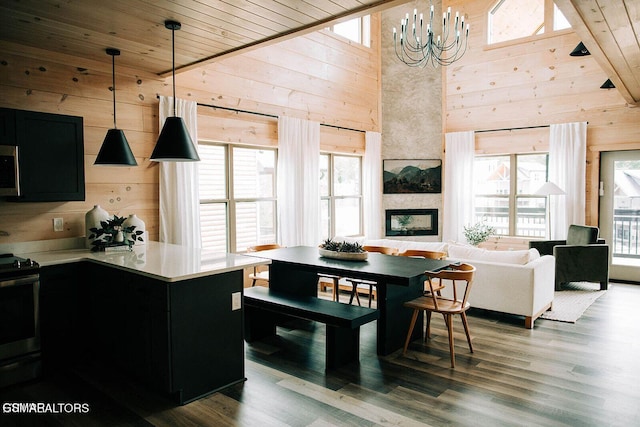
(572, 301)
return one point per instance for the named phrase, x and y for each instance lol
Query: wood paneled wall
(534, 82)
(320, 77)
(31, 79)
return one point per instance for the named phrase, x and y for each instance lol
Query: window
(504, 187)
(514, 19)
(237, 197)
(340, 195)
(357, 30)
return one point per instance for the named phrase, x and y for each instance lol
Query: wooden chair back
(266, 247)
(381, 249)
(261, 272)
(424, 254)
(454, 273)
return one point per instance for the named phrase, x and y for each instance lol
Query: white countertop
(163, 261)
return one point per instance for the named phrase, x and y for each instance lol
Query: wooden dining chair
(419, 253)
(459, 277)
(355, 282)
(259, 272)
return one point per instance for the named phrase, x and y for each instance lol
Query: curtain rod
(271, 115)
(520, 128)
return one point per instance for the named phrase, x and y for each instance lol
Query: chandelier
(421, 48)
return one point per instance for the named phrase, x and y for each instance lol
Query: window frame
(230, 201)
(548, 25)
(513, 196)
(364, 30)
(331, 197)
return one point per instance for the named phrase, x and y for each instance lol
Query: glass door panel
(620, 211)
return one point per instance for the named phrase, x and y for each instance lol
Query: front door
(620, 211)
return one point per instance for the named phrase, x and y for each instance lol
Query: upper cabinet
(50, 153)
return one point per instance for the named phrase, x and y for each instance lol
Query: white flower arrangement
(478, 232)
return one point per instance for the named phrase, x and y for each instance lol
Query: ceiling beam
(316, 26)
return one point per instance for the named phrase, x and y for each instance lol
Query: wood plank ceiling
(610, 30)
(214, 29)
(210, 28)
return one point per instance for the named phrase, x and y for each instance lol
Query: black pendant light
(174, 143)
(608, 85)
(115, 150)
(580, 50)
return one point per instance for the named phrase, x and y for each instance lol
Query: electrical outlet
(58, 224)
(236, 301)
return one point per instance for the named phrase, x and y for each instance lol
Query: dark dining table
(399, 279)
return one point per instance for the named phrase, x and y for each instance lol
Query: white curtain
(458, 185)
(567, 169)
(298, 182)
(372, 185)
(179, 185)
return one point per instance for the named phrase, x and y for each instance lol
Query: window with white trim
(504, 188)
(514, 19)
(357, 30)
(237, 196)
(340, 195)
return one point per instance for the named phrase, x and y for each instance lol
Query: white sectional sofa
(513, 282)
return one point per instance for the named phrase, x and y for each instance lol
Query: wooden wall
(534, 83)
(31, 79)
(320, 77)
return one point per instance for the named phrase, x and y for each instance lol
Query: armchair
(582, 257)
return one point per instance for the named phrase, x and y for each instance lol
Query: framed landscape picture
(412, 176)
(411, 222)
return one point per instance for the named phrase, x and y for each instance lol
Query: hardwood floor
(557, 374)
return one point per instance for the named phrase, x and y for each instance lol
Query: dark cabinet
(62, 318)
(129, 318)
(50, 152)
(183, 338)
(7, 126)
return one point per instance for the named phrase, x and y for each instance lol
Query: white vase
(133, 220)
(92, 220)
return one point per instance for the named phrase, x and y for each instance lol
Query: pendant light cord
(113, 77)
(173, 68)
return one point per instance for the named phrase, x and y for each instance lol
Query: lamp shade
(549, 189)
(115, 150)
(174, 143)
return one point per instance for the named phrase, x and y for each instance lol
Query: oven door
(19, 317)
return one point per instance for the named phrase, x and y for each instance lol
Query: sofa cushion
(470, 253)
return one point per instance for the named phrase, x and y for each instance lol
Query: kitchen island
(171, 316)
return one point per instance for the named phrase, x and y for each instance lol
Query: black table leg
(395, 318)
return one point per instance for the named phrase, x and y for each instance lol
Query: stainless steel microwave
(9, 171)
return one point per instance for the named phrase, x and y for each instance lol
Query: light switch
(58, 224)
(236, 301)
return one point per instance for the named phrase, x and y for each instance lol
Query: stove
(12, 265)
(19, 319)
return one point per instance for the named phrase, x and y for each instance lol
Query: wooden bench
(264, 308)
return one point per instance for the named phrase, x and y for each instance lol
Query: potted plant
(113, 233)
(478, 232)
(342, 250)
